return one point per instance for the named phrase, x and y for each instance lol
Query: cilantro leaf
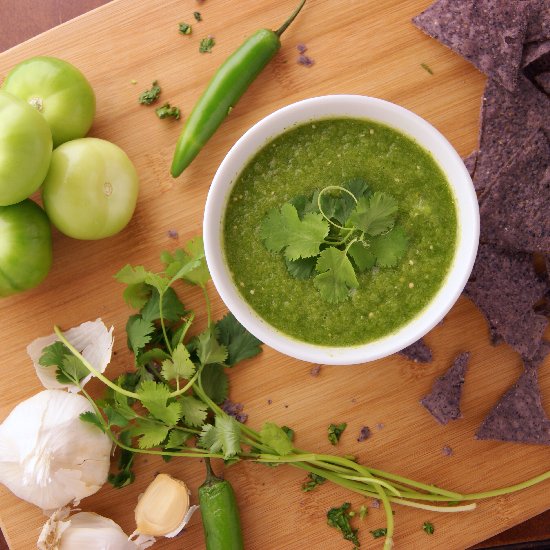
(172, 308)
(362, 255)
(158, 281)
(215, 382)
(180, 366)
(339, 518)
(71, 371)
(190, 265)
(389, 248)
(116, 418)
(208, 348)
(336, 275)
(92, 418)
(300, 238)
(131, 275)
(53, 355)
(151, 434)
(375, 214)
(154, 397)
(176, 439)
(154, 354)
(335, 431)
(303, 268)
(275, 437)
(194, 410)
(305, 205)
(136, 295)
(139, 332)
(223, 436)
(240, 344)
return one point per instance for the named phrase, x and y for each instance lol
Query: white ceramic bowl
(352, 106)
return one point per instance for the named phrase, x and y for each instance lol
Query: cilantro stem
(418, 485)
(511, 489)
(430, 508)
(162, 324)
(374, 481)
(333, 188)
(388, 541)
(95, 372)
(208, 306)
(187, 386)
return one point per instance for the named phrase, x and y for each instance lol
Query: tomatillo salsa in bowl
(341, 229)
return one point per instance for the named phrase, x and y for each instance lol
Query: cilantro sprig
(339, 231)
(168, 403)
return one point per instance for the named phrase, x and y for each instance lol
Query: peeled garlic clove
(86, 530)
(91, 339)
(163, 510)
(48, 455)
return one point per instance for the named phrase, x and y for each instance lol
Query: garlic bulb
(48, 455)
(91, 338)
(86, 531)
(163, 510)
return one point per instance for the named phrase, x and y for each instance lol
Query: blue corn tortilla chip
(507, 120)
(443, 402)
(534, 52)
(538, 27)
(470, 162)
(505, 286)
(514, 212)
(419, 352)
(488, 33)
(519, 415)
(543, 80)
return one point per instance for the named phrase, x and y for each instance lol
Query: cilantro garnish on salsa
(340, 231)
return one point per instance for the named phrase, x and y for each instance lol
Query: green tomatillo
(25, 149)
(25, 247)
(59, 91)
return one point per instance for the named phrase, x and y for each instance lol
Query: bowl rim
(342, 106)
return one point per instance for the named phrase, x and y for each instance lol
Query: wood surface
(359, 46)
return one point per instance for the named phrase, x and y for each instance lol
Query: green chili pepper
(224, 90)
(220, 514)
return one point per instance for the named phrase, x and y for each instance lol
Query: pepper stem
(285, 25)
(210, 475)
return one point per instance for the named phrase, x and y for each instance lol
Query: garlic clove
(86, 530)
(91, 338)
(163, 509)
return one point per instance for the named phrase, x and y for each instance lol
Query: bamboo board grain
(359, 46)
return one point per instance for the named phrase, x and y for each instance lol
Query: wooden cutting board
(359, 46)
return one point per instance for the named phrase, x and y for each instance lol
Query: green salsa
(330, 152)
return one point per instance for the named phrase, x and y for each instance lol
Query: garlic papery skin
(48, 455)
(163, 509)
(85, 531)
(92, 339)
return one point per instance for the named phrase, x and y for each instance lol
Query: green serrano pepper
(220, 514)
(224, 90)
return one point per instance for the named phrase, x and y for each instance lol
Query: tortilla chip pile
(509, 41)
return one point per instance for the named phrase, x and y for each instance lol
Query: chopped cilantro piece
(168, 110)
(150, 96)
(197, 15)
(426, 68)
(185, 28)
(363, 511)
(206, 44)
(313, 480)
(428, 527)
(335, 432)
(377, 533)
(338, 518)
